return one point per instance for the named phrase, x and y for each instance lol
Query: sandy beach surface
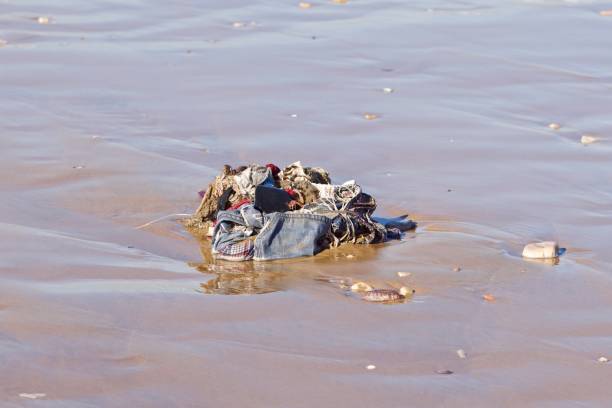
(115, 113)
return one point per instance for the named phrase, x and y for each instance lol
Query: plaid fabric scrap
(239, 251)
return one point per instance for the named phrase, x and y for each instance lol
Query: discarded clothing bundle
(262, 213)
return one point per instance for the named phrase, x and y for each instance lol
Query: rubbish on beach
(260, 212)
(461, 353)
(340, 1)
(370, 367)
(387, 295)
(606, 13)
(554, 126)
(370, 116)
(541, 250)
(603, 360)
(305, 5)
(43, 20)
(488, 297)
(588, 139)
(387, 90)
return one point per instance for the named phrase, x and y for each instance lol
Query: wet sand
(116, 113)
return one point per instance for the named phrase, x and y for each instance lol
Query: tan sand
(116, 113)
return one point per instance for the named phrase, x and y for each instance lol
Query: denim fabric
(290, 235)
(226, 233)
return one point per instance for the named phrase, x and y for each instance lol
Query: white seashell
(370, 116)
(371, 367)
(43, 20)
(602, 360)
(305, 5)
(387, 90)
(403, 274)
(541, 250)
(588, 139)
(461, 353)
(361, 287)
(554, 126)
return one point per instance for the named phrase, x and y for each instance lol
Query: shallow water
(117, 113)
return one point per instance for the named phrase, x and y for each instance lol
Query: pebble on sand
(305, 5)
(606, 13)
(461, 353)
(488, 297)
(554, 126)
(603, 359)
(588, 139)
(370, 116)
(43, 20)
(541, 250)
(35, 395)
(371, 367)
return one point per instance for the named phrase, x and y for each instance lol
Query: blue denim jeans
(290, 235)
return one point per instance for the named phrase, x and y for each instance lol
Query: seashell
(457, 269)
(588, 139)
(370, 116)
(340, 1)
(461, 353)
(387, 90)
(403, 274)
(603, 360)
(488, 297)
(361, 287)
(554, 126)
(371, 367)
(387, 295)
(43, 20)
(305, 5)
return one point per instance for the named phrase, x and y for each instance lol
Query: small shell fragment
(350, 256)
(488, 297)
(554, 126)
(588, 139)
(361, 287)
(305, 5)
(43, 20)
(35, 395)
(294, 115)
(371, 367)
(461, 353)
(238, 24)
(387, 90)
(603, 359)
(403, 274)
(370, 116)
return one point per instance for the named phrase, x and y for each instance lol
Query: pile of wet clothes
(262, 213)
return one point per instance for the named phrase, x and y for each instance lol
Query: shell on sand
(588, 139)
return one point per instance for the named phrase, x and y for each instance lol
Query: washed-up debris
(370, 116)
(43, 20)
(554, 126)
(387, 90)
(603, 359)
(387, 295)
(541, 250)
(305, 5)
(588, 139)
(444, 372)
(606, 13)
(457, 269)
(371, 367)
(488, 297)
(35, 395)
(339, 1)
(461, 353)
(261, 213)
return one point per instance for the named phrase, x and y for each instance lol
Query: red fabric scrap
(239, 204)
(275, 170)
